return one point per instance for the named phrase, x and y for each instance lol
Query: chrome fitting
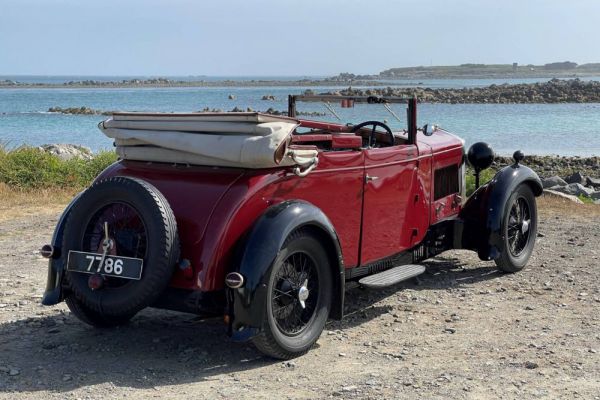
(234, 280)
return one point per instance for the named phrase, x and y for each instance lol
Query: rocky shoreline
(553, 91)
(90, 111)
(164, 82)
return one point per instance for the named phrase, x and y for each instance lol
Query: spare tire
(141, 224)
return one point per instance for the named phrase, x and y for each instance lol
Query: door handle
(370, 178)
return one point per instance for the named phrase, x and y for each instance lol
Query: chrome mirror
(428, 129)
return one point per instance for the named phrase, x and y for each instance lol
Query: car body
(371, 206)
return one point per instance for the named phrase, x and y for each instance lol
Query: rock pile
(78, 111)
(553, 91)
(575, 185)
(68, 151)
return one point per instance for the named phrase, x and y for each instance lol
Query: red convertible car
(263, 219)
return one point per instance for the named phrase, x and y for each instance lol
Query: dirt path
(463, 331)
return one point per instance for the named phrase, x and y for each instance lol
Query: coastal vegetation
(33, 168)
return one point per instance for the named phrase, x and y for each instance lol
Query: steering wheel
(375, 124)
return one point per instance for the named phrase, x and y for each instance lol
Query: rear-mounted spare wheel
(127, 230)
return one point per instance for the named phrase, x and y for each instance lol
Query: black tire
(94, 318)
(518, 245)
(123, 298)
(273, 340)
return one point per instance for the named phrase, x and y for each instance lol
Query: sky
(288, 37)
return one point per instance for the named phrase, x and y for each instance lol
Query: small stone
(66, 377)
(530, 365)
(529, 308)
(342, 354)
(450, 330)
(14, 372)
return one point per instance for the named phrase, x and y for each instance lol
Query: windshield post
(292, 106)
(412, 120)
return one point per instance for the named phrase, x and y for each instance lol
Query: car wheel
(94, 318)
(298, 298)
(141, 224)
(519, 230)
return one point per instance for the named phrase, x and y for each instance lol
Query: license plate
(117, 266)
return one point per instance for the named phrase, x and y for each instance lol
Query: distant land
(565, 69)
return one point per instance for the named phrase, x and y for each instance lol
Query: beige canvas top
(245, 140)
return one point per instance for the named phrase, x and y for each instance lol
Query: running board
(392, 276)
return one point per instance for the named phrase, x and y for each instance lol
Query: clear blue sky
(279, 37)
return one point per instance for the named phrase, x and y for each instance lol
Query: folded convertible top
(244, 140)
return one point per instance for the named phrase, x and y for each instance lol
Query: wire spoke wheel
(519, 230)
(298, 299)
(518, 226)
(119, 217)
(295, 293)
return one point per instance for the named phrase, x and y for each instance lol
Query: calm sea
(564, 129)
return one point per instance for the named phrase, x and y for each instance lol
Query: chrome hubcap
(524, 226)
(303, 293)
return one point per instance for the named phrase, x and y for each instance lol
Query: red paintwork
(214, 207)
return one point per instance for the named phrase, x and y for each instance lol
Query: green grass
(485, 176)
(28, 168)
(586, 200)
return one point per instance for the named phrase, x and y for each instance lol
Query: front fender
(53, 293)
(258, 254)
(483, 212)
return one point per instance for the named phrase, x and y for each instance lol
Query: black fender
(483, 211)
(56, 264)
(258, 253)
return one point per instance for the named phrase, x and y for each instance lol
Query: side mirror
(428, 129)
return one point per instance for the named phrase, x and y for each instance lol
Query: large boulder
(555, 194)
(68, 151)
(593, 182)
(577, 177)
(553, 181)
(575, 189)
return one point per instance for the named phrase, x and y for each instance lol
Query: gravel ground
(462, 330)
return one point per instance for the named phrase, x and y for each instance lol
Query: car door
(395, 202)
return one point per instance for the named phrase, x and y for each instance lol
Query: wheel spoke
(291, 312)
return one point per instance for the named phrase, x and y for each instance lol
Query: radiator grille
(445, 182)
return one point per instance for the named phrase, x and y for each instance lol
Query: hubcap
(303, 293)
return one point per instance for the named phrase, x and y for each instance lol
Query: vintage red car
(264, 219)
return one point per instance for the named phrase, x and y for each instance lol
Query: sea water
(563, 129)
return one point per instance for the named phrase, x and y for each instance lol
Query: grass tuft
(29, 168)
(485, 176)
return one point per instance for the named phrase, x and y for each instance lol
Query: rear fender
(259, 253)
(53, 293)
(483, 212)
